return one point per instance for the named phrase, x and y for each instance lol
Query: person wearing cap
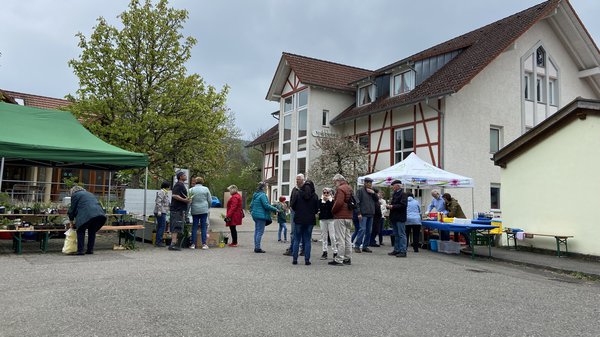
(397, 208)
(85, 213)
(365, 199)
(261, 214)
(179, 207)
(342, 216)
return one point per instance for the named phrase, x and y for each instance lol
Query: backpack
(352, 204)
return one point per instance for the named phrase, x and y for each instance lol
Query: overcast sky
(240, 41)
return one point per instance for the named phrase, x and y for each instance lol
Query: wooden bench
(560, 239)
(128, 233)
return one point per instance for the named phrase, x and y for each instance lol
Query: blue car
(215, 202)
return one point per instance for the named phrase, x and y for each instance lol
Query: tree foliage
(135, 93)
(338, 155)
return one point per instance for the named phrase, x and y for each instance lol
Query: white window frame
(370, 89)
(528, 86)
(552, 91)
(401, 77)
(499, 130)
(402, 151)
(498, 187)
(325, 118)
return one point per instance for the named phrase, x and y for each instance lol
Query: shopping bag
(70, 246)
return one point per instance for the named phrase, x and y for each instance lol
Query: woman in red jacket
(235, 213)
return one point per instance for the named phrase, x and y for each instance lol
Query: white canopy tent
(416, 173)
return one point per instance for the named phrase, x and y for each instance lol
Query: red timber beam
(427, 135)
(380, 138)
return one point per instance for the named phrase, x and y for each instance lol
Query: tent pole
(144, 216)
(472, 201)
(1, 173)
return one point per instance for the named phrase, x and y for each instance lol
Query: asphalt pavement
(236, 292)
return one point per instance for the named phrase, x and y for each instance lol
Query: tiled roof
(38, 101)
(479, 48)
(269, 135)
(326, 74)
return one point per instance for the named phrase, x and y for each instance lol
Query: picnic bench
(560, 240)
(126, 232)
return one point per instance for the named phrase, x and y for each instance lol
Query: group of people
(197, 200)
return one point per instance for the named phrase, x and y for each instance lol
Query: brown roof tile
(326, 74)
(479, 48)
(38, 101)
(269, 135)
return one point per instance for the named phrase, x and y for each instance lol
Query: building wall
(552, 188)
(493, 98)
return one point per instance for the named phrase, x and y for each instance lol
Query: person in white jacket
(413, 221)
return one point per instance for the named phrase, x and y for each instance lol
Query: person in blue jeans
(261, 213)
(282, 210)
(398, 207)
(305, 206)
(201, 201)
(366, 200)
(161, 207)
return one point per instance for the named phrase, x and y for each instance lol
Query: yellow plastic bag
(70, 246)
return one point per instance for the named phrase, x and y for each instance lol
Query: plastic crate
(452, 247)
(433, 245)
(496, 222)
(482, 240)
(441, 246)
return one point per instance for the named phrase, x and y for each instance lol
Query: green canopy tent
(43, 137)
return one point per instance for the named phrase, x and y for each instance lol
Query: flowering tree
(341, 155)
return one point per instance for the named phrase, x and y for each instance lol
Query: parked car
(215, 202)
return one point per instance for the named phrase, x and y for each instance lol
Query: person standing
(282, 211)
(366, 211)
(413, 221)
(326, 222)
(397, 209)
(377, 220)
(455, 211)
(234, 215)
(85, 213)
(437, 202)
(161, 207)
(201, 200)
(342, 215)
(299, 182)
(179, 208)
(305, 206)
(261, 213)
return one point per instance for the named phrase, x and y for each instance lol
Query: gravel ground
(235, 292)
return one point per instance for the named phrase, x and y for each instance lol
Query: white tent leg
(473, 202)
(1, 173)
(108, 195)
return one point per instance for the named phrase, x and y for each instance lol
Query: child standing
(282, 210)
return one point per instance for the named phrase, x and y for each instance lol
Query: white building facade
(454, 104)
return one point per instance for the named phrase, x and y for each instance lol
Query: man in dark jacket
(365, 198)
(299, 183)
(88, 214)
(397, 209)
(305, 206)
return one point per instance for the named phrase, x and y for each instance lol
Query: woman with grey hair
(85, 213)
(261, 214)
(234, 215)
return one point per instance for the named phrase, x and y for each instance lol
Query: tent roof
(46, 137)
(413, 171)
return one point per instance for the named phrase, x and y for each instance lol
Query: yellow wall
(554, 188)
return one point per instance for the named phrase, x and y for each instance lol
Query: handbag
(268, 222)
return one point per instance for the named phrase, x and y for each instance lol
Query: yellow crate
(449, 220)
(496, 230)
